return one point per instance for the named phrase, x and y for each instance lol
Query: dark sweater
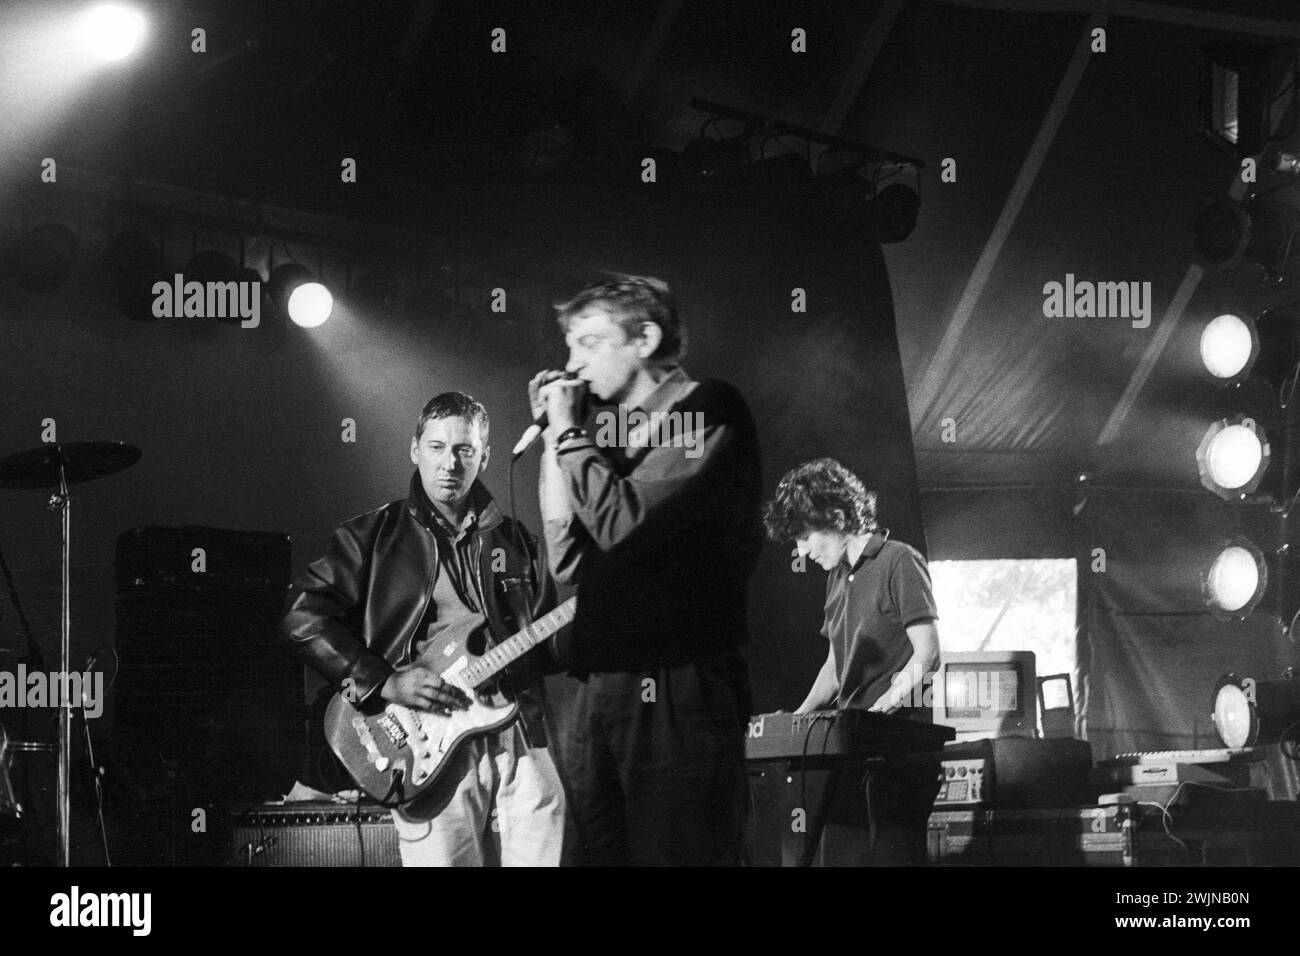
(662, 542)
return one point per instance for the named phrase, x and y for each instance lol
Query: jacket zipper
(478, 573)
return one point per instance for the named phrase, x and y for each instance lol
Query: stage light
(1265, 347)
(295, 291)
(1229, 345)
(1226, 232)
(112, 32)
(310, 304)
(1250, 713)
(1236, 580)
(1232, 457)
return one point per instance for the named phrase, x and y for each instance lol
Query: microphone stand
(95, 771)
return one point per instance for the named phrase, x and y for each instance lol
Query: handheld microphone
(534, 431)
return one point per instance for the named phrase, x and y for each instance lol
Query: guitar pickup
(393, 729)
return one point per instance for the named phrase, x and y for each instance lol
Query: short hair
(632, 300)
(453, 405)
(819, 495)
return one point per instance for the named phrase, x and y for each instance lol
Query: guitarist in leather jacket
(391, 578)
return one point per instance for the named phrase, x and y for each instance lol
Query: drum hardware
(59, 465)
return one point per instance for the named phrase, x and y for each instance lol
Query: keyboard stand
(839, 829)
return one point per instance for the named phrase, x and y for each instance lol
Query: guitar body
(397, 753)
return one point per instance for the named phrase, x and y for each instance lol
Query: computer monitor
(987, 694)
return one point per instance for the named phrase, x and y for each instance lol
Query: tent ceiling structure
(1068, 162)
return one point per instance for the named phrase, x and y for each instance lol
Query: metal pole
(64, 791)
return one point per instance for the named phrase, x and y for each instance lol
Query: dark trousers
(879, 812)
(653, 764)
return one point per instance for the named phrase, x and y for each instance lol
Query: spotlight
(295, 291)
(1249, 713)
(112, 32)
(310, 304)
(1232, 457)
(1229, 346)
(1267, 347)
(1235, 581)
(1226, 231)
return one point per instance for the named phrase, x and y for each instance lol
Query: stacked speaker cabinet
(209, 701)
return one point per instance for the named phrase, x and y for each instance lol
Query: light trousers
(501, 804)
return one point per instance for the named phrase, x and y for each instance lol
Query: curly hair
(632, 300)
(819, 495)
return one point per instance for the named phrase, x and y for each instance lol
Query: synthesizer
(830, 734)
(1216, 768)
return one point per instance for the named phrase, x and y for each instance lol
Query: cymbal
(82, 461)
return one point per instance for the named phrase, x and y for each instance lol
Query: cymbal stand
(62, 502)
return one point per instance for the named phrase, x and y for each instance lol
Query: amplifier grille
(322, 836)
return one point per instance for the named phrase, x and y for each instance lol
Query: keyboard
(831, 734)
(1210, 756)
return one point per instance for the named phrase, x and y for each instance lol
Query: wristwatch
(575, 431)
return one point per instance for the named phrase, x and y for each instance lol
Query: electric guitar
(395, 753)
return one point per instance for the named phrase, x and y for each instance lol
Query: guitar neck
(508, 651)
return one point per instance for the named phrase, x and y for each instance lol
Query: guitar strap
(518, 593)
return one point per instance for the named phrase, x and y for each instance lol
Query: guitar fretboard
(510, 650)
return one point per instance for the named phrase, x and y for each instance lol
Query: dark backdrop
(242, 428)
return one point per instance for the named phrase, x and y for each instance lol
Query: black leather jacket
(353, 613)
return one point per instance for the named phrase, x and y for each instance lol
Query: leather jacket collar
(487, 513)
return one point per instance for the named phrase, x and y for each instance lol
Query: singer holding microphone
(660, 537)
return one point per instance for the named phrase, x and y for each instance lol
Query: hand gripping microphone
(534, 431)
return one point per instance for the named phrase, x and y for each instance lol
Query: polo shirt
(868, 609)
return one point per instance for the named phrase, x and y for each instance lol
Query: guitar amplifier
(314, 834)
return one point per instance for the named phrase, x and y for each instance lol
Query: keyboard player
(883, 646)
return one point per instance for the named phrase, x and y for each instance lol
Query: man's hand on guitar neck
(417, 686)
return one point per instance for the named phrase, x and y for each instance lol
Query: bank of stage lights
(1233, 459)
(1234, 455)
(1235, 452)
